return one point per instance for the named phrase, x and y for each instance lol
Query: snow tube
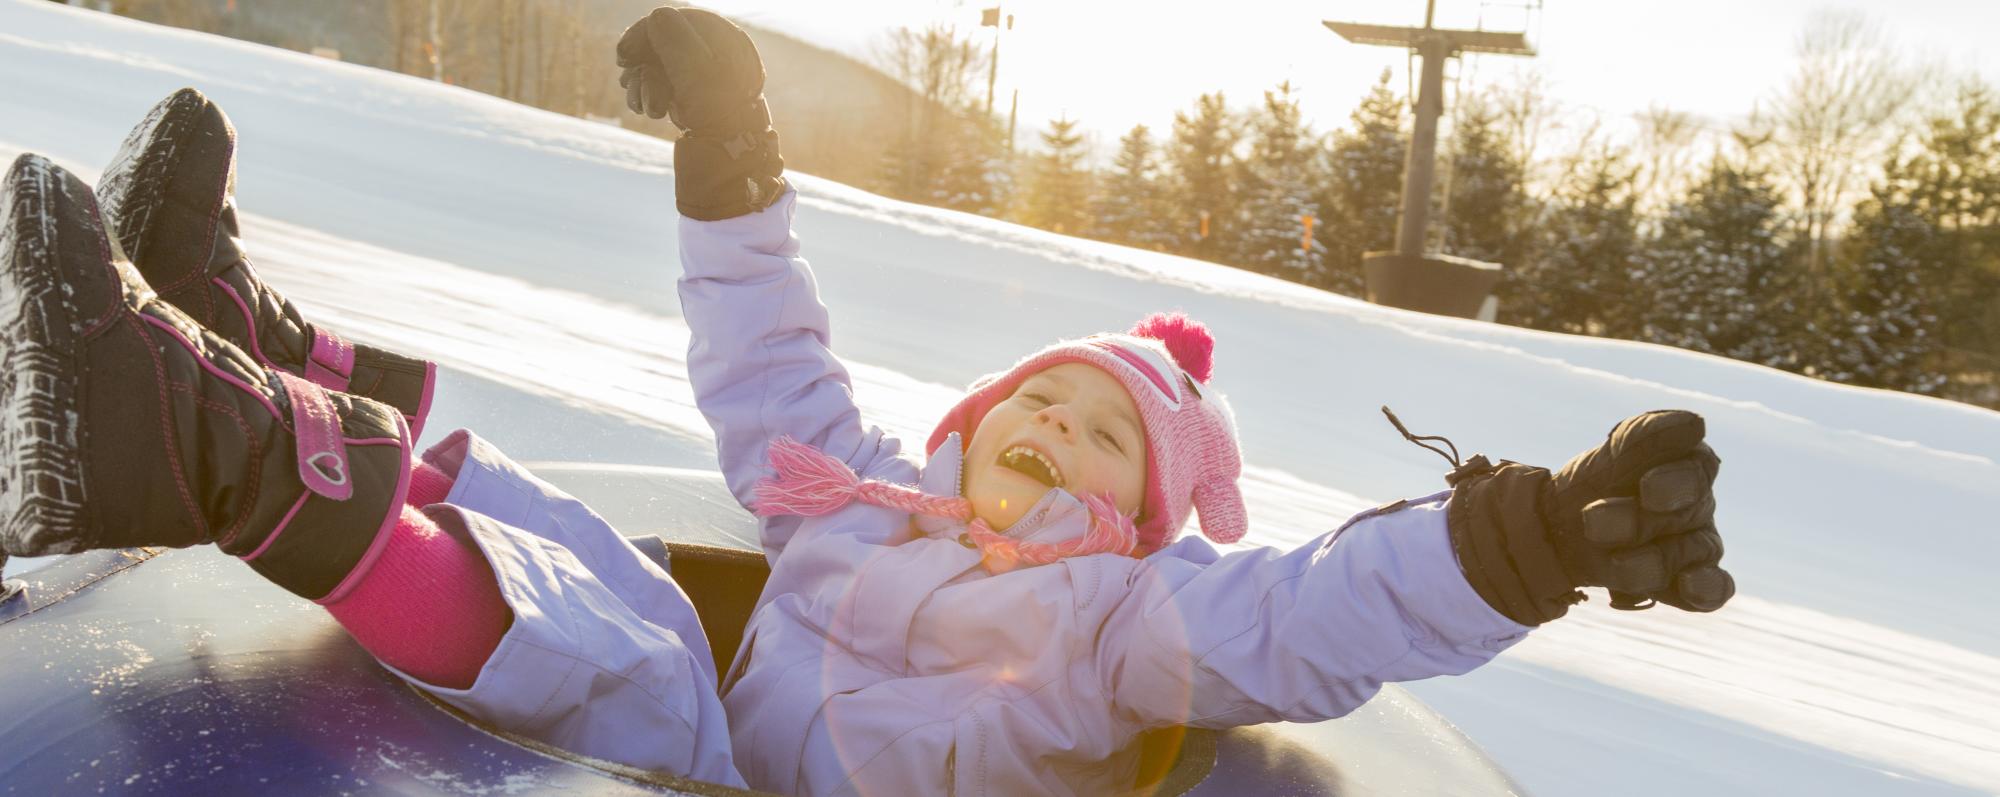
(182, 671)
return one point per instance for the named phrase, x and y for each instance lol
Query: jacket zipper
(1021, 528)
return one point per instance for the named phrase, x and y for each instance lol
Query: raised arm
(1432, 587)
(758, 353)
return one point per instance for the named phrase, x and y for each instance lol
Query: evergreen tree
(1580, 279)
(1887, 332)
(943, 154)
(1955, 181)
(1128, 208)
(1717, 278)
(1485, 196)
(961, 165)
(1918, 278)
(896, 174)
(1201, 157)
(909, 169)
(1281, 182)
(1059, 190)
(1364, 187)
(973, 174)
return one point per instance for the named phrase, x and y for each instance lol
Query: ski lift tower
(1408, 277)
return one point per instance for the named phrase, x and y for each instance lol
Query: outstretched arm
(1265, 635)
(1414, 590)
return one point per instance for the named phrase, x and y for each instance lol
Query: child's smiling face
(1071, 426)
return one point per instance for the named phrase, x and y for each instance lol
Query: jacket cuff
(729, 248)
(1451, 607)
(1501, 542)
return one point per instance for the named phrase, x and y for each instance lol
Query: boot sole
(132, 192)
(135, 188)
(41, 458)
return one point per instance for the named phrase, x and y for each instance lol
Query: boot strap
(330, 364)
(322, 451)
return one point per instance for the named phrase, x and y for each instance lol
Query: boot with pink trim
(124, 423)
(169, 198)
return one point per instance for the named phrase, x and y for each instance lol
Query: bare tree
(579, 69)
(558, 39)
(943, 68)
(539, 51)
(406, 20)
(432, 24)
(1665, 147)
(418, 29)
(937, 62)
(1753, 136)
(1526, 114)
(1579, 152)
(434, 40)
(1831, 120)
(508, 46)
(190, 14)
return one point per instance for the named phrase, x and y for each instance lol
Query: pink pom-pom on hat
(1185, 338)
(1192, 456)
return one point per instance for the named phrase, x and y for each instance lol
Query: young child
(1007, 617)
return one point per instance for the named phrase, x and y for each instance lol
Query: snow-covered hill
(533, 255)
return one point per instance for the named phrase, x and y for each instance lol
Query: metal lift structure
(1409, 277)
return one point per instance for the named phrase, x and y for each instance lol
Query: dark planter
(1439, 284)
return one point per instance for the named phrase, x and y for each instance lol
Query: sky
(1116, 64)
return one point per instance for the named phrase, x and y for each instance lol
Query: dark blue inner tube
(183, 672)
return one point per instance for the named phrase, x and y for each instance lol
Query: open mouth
(1033, 464)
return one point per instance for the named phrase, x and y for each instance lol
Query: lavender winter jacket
(882, 659)
(606, 657)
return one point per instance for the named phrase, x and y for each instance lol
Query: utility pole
(1013, 113)
(992, 71)
(1409, 277)
(990, 18)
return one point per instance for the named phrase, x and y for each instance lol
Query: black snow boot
(124, 423)
(169, 199)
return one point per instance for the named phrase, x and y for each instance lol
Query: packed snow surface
(533, 255)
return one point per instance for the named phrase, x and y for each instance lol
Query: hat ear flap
(1223, 516)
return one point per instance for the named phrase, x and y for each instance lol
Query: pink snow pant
(428, 605)
(599, 652)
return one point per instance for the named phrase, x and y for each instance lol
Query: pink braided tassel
(1110, 532)
(807, 481)
(810, 482)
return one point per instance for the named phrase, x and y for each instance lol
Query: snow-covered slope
(533, 255)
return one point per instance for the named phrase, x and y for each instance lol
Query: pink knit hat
(1192, 458)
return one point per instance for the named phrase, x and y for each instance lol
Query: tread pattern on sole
(41, 480)
(130, 189)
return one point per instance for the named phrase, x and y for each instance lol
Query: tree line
(1849, 231)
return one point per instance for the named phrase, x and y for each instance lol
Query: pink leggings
(429, 605)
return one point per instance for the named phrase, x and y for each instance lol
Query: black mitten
(702, 71)
(1635, 515)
